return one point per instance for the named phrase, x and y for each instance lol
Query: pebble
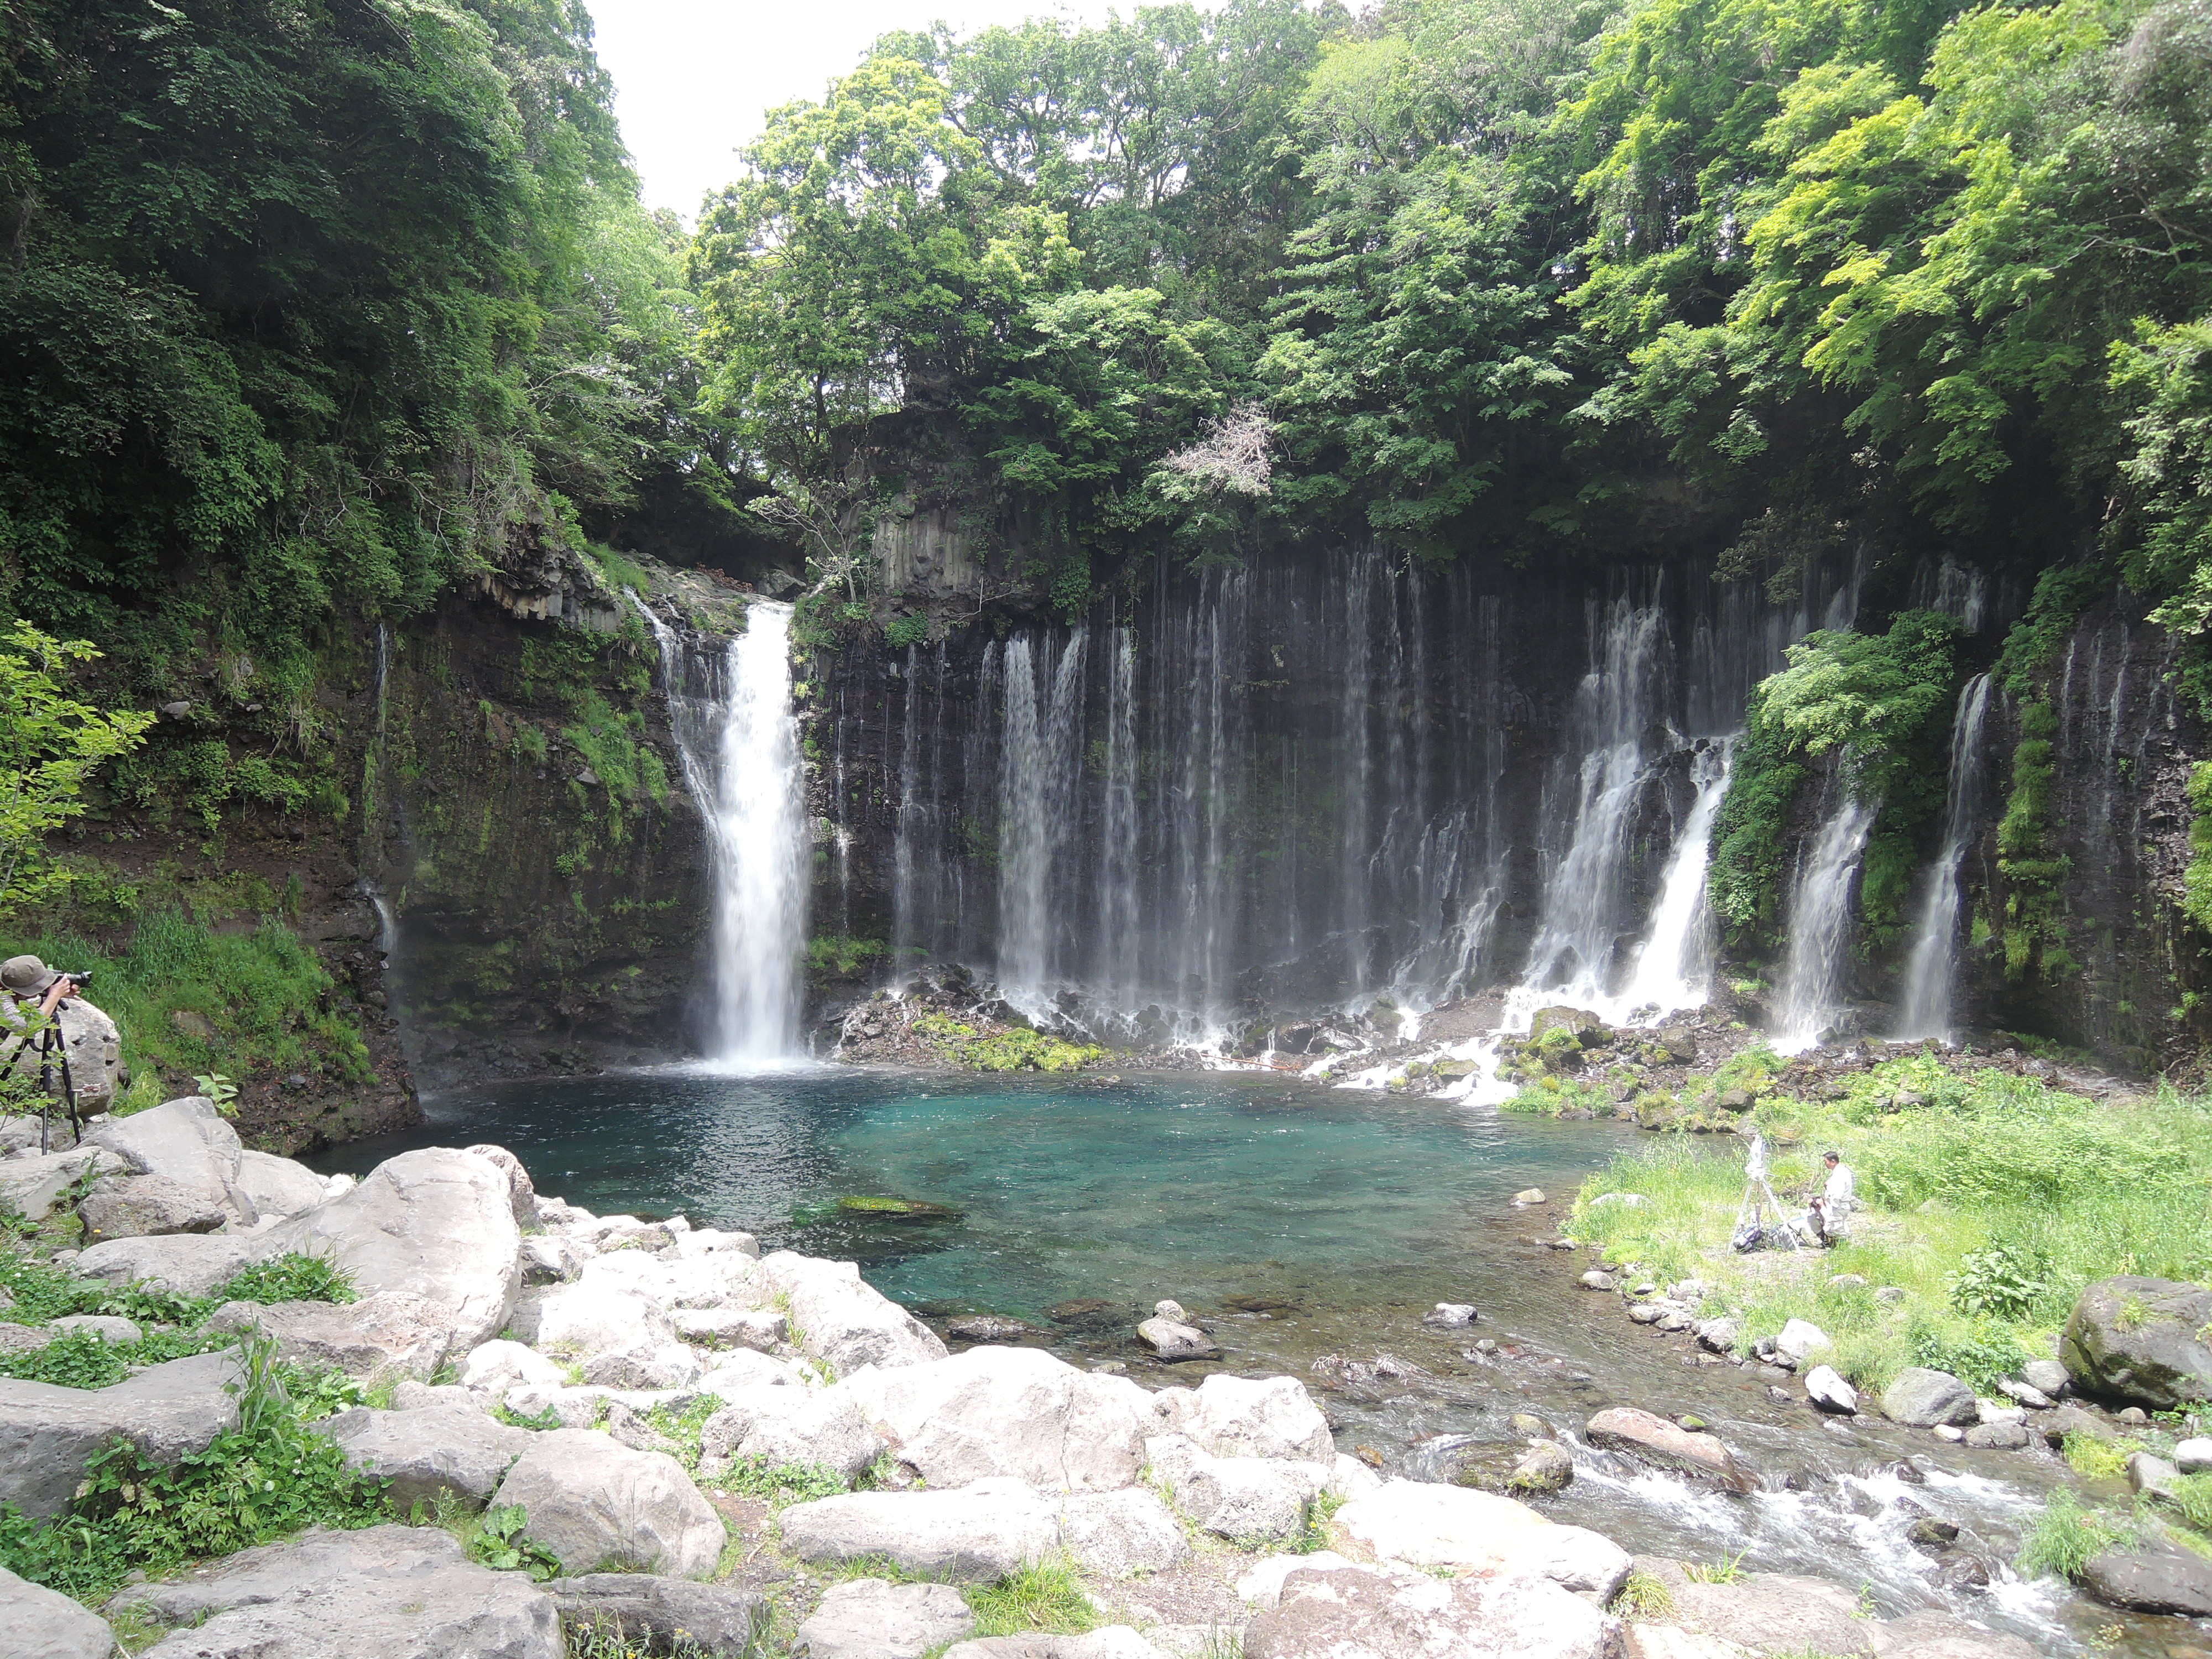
(1645, 1312)
(1946, 1432)
(1595, 1281)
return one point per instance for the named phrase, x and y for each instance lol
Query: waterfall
(1036, 781)
(1925, 1002)
(1820, 927)
(1670, 967)
(739, 745)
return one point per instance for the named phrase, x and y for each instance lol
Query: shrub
(2001, 1283)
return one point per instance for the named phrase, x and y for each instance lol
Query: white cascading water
(1925, 1003)
(740, 746)
(1035, 779)
(1671, 966)
(1820, 927)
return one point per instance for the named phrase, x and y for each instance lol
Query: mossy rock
(898, 1209)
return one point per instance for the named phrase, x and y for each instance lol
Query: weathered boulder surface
(521, 1194)
(583, 1319)
(1921, 1399)
(434, 1222)
(48, 1434)
(49, 1625)
(393, 1592)
(647, 1365)
(1427, 1525)
(186, 1141)
(498, 1366)
(848, 1324)
(1765, 1612)
(1019, 1411)
(971, 1535)
(190, 1264)
(1235, 1417)
(30, 1187)
(597, 1504)
(146, 1207)
(2142, 1340)
(791, 1426)
(435, 1450)
(2161, 1578)
(1826, 1387)
(1114, 1641)
(715, 1619)
(1117, 1534)
(1238, 1497)
(875, 1618)
(1652, 1439)
(1263, 1585)
(278, 1186)
(392, 1335)
(1359, 1612)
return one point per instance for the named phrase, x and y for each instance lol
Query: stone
(521, 1195)
(1716, 1336)
(48, 1433)
(2047, 1374)
(190, 1264)
(1673, 1641)
(988, 1328)
(1356, 1612)
(874, 1619)
(1765, 1612)
(108, 1328)
(1652, 1439)
(736, 1371)
(775, 1426)
(498, 1366)
(847, 1324)
(1020, 1412)
(2025, 1394)
(1529, 1196)
(1118, 1534)
(1236, 1417)
(1950, 1432)
(2152, 1476)
(44, 1624)
(2142, 1340)
(1112, 1641)
(391, 1591)
(1236, 1497)
(390, 1335)
(1932, 1532)
(1451, 1315)
(279, 1187)
(1800, 1339)
(1171, 1340)
(670, 1282)
(1996, 1436)
(1598, 1280)
(1263, 1585)
(549, 1259)
(2073, 1419)
(186, 1141)
(1350, 1477)
(714, 1241)
(146, 1207)
(1548, 1467)
(1646, 1313)
(1920, 1398)
(20, 1339)
(759, 1329)
(970, 1536)
(1426, 1525)
(2193, 1457)
(410, 1395)
(437, 1450)
(31, 1187)
(1847, 1282)
(434, 1222)
(2161, 1578)
(715, 1620)
(597, 1504)
(647, 1365)
(1169, 1308)
(1826, 1387)
(585, 1319)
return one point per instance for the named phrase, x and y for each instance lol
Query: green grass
(1643, 1597)
(1044, 1597)
(2066, 1536)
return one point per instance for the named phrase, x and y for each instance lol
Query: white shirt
(1841, 1192)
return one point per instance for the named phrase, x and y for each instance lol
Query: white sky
(693, 77)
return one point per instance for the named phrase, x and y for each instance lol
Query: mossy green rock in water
(910, 1209)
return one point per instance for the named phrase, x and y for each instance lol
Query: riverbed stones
(1239, 1417)
(2156, 1578)
(777, 1427)
(392, 1335)
(434, 1222)
(758, 1328)
(874, 1619)
(596, 1504)
(1546, 1466)
(1922, 1398)
(2194, 1456)
(2142, 1340)
(2047, 1374)
(1598, 1280)
(47, 1624)
(1826, 1387)
(393, 1591)
(1019, 1411)
(549, 1259)
(1425, 1525)
(499, 1364)
(1652, 1439)
(2152, 1476)
(1263, 1585)
(1172, 1339)
(971, 1535)
(1118, 1534)
(190, 1264)
(1450, 1315)
(279, 1187)
(1529, 1196)
(1800, 1340)
(847, 1324)
(1236, 1497)
(451, 1450)
(48, 1434)
(186, 1141)
(2025, 1394)
(1361, 1612)
(1716, 1336)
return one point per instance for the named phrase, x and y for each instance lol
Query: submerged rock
(1172, 1340)
(1652, 1439)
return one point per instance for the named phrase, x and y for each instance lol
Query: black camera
(78, 980)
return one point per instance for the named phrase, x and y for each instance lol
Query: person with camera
(27, 979)
(31, 1038)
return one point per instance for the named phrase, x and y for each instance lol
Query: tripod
(52, 1044)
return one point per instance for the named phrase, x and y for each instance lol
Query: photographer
(53, 1044)
(25, 979)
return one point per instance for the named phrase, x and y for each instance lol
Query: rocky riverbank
(556, 1422)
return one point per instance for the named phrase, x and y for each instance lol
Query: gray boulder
(2160, 1578)
(434, 1222)
(1236, 1417)
(647, 1365)
(597, 1504)
(393, 1592)
(1019, 1411)
(1236, 1497)
(108, 1328)
(848, 1323)
(1427, 1524)
(392, 1335)
(1361, 1612)
(588, 1319)
(759, 1329)
(715, 1618)
(521, 1195)
(2048, 1375)
(48, 1434)
(190, 1264)
(1923, 1398)
(1118, 1534)
(48, 1624)
(874, 1619)
(1170, 1339)
(1826, 1387)
(971, 1535)
(549, 1259)
(791, 1425)
(145, 1207)
(2141, 1340)
(436, 1450)
(31, 1187)
(498, 1366)
(1764, 1612)
(1652, 1439)
(186, 1141)
(1113, 1641)
(278, 1186)
(95, 1054)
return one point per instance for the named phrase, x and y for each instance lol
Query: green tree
(50, 744)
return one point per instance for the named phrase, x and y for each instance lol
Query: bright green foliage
(2196, 879)
(1015, 1049)
(2065, 1538)
(2034, 872)
(836, 956)
(2002, 1281)
(50, 744)
(500, 1539)
(291, 1277)
(1046, 1595)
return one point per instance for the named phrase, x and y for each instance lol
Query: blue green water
(1203, 1186)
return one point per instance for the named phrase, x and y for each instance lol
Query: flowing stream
(1925, 1008)
(1820, 927)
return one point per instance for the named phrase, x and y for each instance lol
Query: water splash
(1925, 1002)
(1820, 926)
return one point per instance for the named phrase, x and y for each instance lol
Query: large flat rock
(47, 1624)
(597, 1504)
(31, 1187)
(455, 1451)
(716, 1619)
(1427, 1524)
(874, 1619)
(1243, 1499)
(49, 1434)
(1239, 1417)
(186, 1141)
(1650, 1439)
(777, 1426)
(969, 1536)
(848, 1323)
(190, 1264)
(279, 1187)
(390, 1335)
(1362, 1612)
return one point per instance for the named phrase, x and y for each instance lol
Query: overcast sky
(692, 78)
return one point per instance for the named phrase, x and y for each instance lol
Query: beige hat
(26, 976)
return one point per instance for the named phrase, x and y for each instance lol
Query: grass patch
(2095, 1458)
(780, 1483)
(1729, 1570)
(1643, 1597)
(1046, 1596)
(1013, 1050)
(2066, 1537)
